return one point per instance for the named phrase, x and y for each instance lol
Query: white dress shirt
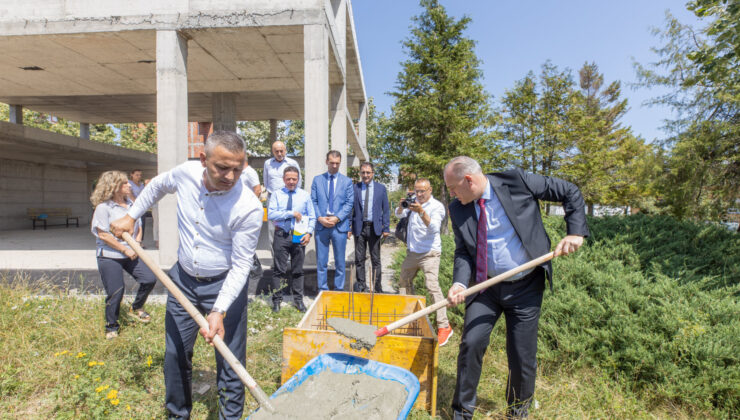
(422, 238)
(250, 177)
(273, 173)
(218, 230)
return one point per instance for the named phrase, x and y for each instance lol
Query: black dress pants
(367, 239)
(520, 303)
(282, 248)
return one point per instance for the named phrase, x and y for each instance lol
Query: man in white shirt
(251, 179)
(272, 176)
(218, 227)
(425, 248)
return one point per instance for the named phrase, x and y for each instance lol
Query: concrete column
(85, 130)
(16, 114)
(362, 126)
(316, 99)
(316, 109)
(339, 123)
(223, 106)
(172, 129)
(273, 132)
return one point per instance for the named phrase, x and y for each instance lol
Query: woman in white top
(111, 202)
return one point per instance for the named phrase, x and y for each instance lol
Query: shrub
(651, 301)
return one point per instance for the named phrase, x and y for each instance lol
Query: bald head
(464, 179)
(279, 150)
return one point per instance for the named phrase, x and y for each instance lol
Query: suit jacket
(381, 209)
(519, 193)
(343, 198)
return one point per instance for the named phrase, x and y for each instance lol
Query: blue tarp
(353, 365)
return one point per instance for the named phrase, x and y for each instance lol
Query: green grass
(56, 363)
(643, 323)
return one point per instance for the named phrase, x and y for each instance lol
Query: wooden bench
(43, 214)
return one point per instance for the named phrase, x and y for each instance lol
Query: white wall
(28, 184)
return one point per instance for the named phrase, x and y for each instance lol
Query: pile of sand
(330, 395)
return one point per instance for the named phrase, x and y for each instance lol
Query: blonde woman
(111, 202)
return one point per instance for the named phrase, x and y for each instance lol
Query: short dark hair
(335, 153)
(226, 139)
(291, 169)
(135, 170)
(366, 163)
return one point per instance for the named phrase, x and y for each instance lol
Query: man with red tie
(497, 224)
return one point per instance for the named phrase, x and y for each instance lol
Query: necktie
(481, 259)
(331, 194)
(365, 206)
(290, 207)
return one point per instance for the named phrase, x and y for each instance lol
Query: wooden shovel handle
(222, 348)
(467, 292)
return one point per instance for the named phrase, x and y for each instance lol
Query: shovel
(222, 348)
(467, 292)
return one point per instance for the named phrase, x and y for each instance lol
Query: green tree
(137, 136)
(701, 174)
(441, 109)
(519, 126)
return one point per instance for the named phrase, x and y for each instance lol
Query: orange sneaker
(443, 335)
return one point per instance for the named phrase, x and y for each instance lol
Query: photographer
(424, 247)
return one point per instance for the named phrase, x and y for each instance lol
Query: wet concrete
(363, 334)
(335, 396)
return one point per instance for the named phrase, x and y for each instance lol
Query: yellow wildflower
(96, 380)
(80, 355)
(115, 401)
(76, 377)
(112, 394)
(149, 361)
(101, 388)
(128, 407)
(61, 353)
(91, 364)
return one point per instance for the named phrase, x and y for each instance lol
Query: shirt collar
(487, 193)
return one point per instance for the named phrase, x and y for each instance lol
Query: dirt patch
(330, 395)
(363, 334)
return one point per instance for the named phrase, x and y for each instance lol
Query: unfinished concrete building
(175, 61)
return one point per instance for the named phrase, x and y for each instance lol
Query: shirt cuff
(460, 284)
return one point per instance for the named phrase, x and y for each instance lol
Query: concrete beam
(16, 114)
(224, 111)
(172, 128)
(362, 126)
(85, 131)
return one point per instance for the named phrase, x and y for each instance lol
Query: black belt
(282, 232)
(217, 277)
(367, 223)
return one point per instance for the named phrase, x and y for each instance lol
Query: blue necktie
(290, 207)
(331, 194)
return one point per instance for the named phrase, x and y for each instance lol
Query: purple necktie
(481, 259)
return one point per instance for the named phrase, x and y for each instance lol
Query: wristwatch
(218, 311)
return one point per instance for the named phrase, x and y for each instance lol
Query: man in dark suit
(497, 224)
(332, 195)
(371, 220)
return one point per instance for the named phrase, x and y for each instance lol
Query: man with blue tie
(332, 196)
(371, 220)
(497, 224)
(288, 206)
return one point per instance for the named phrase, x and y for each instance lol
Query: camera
(410, 199)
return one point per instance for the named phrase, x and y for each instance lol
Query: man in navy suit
(497, 224)
(332, 195)
(371, 220)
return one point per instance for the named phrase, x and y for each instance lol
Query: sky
(516, 36)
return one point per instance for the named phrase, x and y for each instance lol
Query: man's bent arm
(243, 246)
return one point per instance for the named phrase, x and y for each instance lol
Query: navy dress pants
(181, 332)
